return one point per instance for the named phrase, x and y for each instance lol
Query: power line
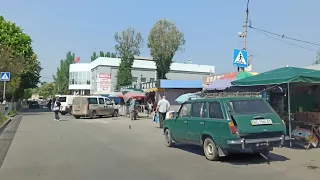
(302, 47)
(283, 36)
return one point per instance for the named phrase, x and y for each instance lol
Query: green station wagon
(226, 125)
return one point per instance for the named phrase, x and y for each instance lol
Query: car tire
(93, 115)
(63, 113)
(210, 149)
(115, 113)
(168, 138)
(77, 117)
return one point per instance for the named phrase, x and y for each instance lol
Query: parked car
(226, 125)
(34, 105)
(93, 106)
(66, 103)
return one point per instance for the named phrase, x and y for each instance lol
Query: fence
(12, 107)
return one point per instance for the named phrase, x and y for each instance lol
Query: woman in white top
(56, 108)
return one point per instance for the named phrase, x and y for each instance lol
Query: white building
(80, 78)
(103, 77)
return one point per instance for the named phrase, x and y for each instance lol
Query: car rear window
(92, 100)
(250, 106)
(62, 99)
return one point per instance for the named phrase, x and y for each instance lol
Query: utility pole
(245, 33)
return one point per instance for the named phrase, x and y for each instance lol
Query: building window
(134, 80)
(82, 77)
(151, 79)
(143, 79)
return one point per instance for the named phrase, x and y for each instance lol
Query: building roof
(149, 64)
(78, 67)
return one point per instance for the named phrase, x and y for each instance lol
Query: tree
(102, 54)
(164, 41)
(27, 93)
(128, 45)
(20, 43)
(317, 61)
(13, 63)
(61, 79)
(47, 90)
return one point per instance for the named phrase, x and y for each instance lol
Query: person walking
(133, 108)
(56, 108)
(162, 108)
(149, 107)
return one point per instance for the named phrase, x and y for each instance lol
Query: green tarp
(281, 76)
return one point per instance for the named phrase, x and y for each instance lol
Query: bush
(12, 113)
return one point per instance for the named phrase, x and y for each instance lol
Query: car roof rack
(231, 94)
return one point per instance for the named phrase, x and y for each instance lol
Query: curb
(3, 126)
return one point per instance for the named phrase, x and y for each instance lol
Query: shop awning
(154, 90)
(224, 80)
(281, 76)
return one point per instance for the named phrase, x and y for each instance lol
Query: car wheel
(115, 113)
(63, 113)
(77, 117)
(210, 149)
(93, 115)
(169, 141)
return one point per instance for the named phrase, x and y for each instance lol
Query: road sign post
(5, 76)
(240, 58)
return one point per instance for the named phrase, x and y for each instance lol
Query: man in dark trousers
(162, 108)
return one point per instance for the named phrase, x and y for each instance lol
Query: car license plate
(261, 122)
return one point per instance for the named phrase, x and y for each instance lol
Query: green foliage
(102, 54)
(164, 41)
(11, 62)
(61, 79)
(12, 113)
(128, 45)
(317, 61)
(28, 93)
(47, 90)
(13, 36)
(3, 119)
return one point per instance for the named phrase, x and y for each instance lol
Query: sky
(210, 28)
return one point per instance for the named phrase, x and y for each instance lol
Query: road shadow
(235, 159)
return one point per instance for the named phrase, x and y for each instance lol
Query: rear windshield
(250, 106)
(62, 99)
(92, 100)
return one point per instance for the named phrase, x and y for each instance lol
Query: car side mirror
(109, 103)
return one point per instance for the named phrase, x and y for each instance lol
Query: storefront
(294, 94)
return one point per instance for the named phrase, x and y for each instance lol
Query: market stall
(285, 78)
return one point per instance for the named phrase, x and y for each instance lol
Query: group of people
(159, 109)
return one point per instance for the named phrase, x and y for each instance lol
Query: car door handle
(201, 123)
(185, 122)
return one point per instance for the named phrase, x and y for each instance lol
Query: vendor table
(314, 128)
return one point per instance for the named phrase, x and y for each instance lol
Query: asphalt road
(107, 148)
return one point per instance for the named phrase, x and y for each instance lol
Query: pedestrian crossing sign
(240, 58)
(5, 76)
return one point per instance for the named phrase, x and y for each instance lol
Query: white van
(66, 103)
(93, 106)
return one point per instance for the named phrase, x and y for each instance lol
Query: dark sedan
(34, 105)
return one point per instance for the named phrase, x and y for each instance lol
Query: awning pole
(289, 113)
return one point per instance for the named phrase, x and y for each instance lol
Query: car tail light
(232, 128)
